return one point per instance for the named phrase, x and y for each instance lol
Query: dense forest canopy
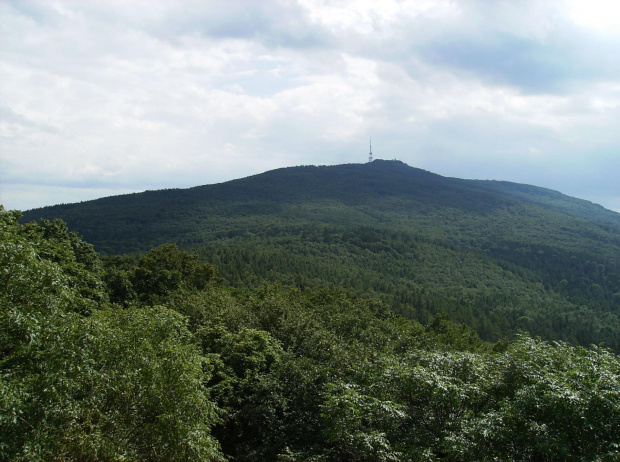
(155, 357)
(500, 257)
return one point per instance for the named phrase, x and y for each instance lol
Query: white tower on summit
(370, 153)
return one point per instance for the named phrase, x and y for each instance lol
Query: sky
(100, 98)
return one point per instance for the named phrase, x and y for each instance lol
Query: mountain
(381, 192)
(498, 256)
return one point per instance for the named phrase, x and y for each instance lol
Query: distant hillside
(498, 256)
(375, 193)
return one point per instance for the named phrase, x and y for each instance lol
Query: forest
(498, 257)
(233, 352)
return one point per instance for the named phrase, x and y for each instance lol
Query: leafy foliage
(187, 368)
(95, 383)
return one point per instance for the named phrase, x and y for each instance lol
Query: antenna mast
(370, 153)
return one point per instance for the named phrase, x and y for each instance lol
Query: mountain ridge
(383, 193)
(258, 185)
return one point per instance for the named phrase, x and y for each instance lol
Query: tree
(101, 384)
(546, 402)
(358, 426)
(166, 269)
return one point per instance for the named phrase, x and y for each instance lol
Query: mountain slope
(380, 192)
(498, 256)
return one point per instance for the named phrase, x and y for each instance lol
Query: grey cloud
(504, 60)
(529, 46)
(9, 116)
(274, 23)
(525, 63)
(33, 10)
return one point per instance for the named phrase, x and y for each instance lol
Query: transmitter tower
(370, 153)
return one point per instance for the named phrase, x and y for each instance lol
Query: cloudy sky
(106, 97)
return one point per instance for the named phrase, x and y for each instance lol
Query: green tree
(546, 402)
(77, 259)
(245, 388)
(166, 269)
(358, 426)
(110, 385)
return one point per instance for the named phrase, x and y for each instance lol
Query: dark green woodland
(498, 257)
(371, 312)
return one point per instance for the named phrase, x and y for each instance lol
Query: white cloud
(119, 96)
(600, 15)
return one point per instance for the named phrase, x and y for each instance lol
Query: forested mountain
(498, 256)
